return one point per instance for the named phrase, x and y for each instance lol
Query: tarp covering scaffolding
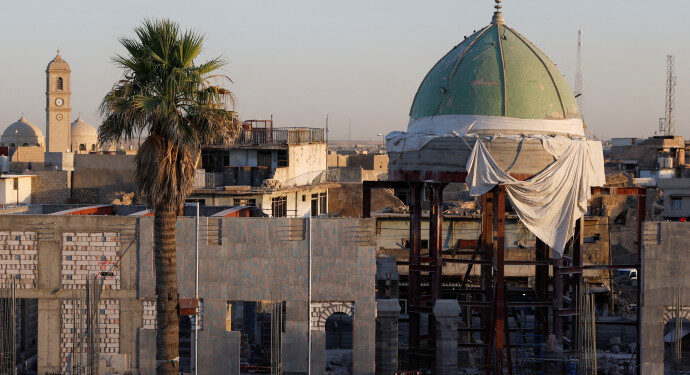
(549, 203)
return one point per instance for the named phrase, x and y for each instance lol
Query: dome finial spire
(498, 15)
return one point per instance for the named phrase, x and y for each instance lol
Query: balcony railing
(280, 136)
(206, 180)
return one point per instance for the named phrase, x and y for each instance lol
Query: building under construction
(495, 113)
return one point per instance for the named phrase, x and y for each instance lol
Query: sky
(360, 61)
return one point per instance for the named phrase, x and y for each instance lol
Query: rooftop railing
(280, 136)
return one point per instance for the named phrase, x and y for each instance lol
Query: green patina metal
(495, 72)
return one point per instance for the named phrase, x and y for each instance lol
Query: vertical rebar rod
(196, 291)
(13, 358)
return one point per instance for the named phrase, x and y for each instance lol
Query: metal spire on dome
(498, 15)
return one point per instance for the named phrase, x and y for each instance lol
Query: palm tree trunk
(168, 320)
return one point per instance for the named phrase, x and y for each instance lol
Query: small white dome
(83, 128)
(83, 136)
(24, 132)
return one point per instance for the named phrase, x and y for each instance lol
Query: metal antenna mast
(578, 73)
(667, 124)
(349, 131)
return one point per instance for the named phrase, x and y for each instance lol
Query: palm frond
(178, 103)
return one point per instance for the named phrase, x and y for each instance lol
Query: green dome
(495, 72)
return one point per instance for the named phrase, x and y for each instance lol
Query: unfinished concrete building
(292, 295)
(495, 113)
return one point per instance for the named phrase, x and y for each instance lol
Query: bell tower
(58, 105)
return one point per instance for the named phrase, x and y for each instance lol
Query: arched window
(25, 144)
(59, 84)
(12, 144)
(671, 361)
(82, 147)
(93, 147)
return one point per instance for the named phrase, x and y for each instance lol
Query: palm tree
(179, 105)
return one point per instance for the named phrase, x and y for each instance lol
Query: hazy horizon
(361, 60)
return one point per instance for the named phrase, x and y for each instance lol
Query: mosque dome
(496, 86)
(58, 64)
(83, 136)
(495, 72)
(24, 132)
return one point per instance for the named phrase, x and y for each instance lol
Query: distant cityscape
(494, 234)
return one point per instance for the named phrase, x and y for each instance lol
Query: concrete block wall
(84, 254)
(73, 324)
(148, 313)
(18, 259)
(120, 312)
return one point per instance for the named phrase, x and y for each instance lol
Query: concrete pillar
(318, 351)
(48, 335)
(447, 314)
(387, 311)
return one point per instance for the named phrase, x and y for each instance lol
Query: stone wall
(98, 176)
(51, 187)
(33, 154)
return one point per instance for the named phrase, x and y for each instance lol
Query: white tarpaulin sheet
(423, 130)
(549, 203)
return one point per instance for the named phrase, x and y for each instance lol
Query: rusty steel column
(435, 253)
(577, 248)
(541, 284)
(641, 217)
(366, 201)
(487, 238)
(415, 250)
(557, 299)
(436, 239)
(500, 304)
(576, 278)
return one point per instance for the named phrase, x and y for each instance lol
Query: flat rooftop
(127, 210)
